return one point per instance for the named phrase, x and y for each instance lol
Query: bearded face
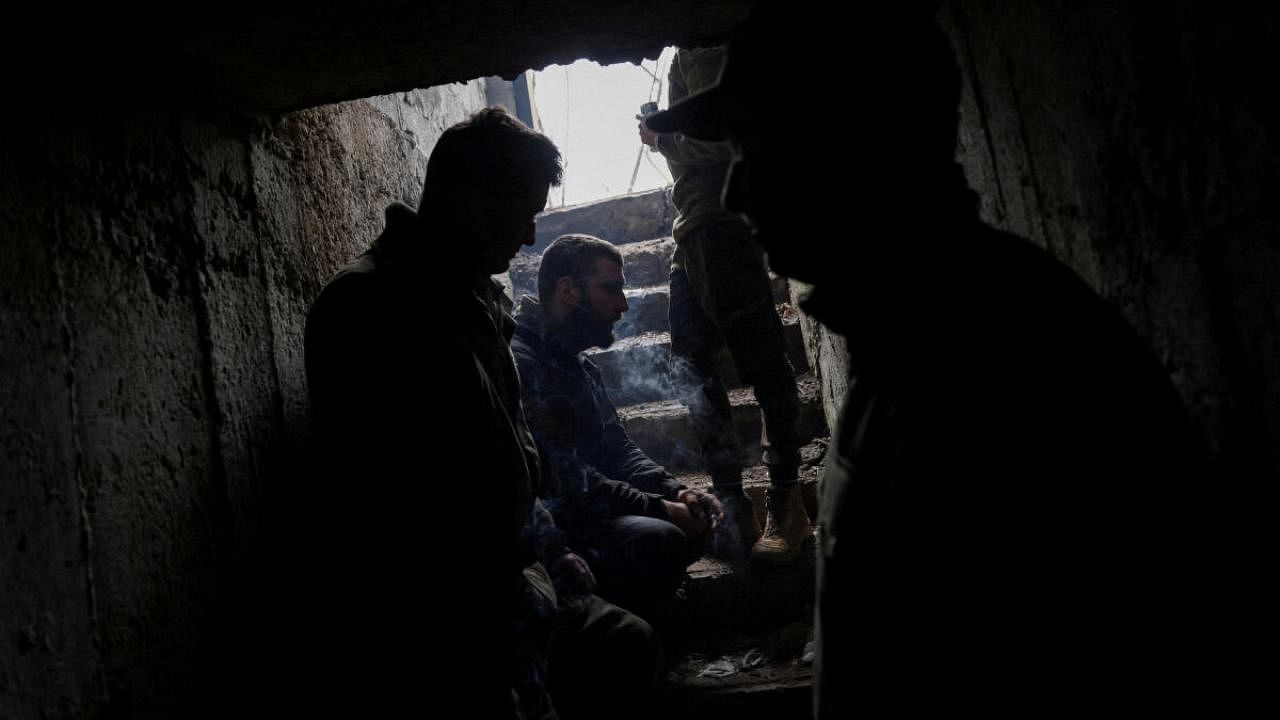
(600, 304)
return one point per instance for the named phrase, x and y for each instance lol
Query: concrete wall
(155, 271)
(828, 356)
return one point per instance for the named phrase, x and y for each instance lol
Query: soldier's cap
(904, 57)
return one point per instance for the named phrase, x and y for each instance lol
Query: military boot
(735, 537)
(786, 529)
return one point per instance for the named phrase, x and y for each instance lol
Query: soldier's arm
(692, 71)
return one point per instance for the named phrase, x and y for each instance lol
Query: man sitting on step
(638, 527)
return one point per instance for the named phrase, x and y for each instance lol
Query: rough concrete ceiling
(278, 55)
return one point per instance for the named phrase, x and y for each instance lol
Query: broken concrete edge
(620, 220)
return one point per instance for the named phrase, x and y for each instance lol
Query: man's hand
(704, 503)
(647, 136)
(682, 517)
(571, 573)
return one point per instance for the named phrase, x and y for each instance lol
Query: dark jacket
(592, 469)
(424, 497)
(1015, 512)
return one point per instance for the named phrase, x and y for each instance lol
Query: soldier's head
(813, 180)
(580, 285)
(487, 177)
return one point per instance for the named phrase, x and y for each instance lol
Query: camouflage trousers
(722, 301)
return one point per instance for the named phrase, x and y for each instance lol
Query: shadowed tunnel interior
(177, 183)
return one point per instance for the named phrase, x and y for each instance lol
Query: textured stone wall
(828, 355)
(155, 271)
(323, 178)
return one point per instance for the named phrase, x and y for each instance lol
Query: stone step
(757, 676)
(647, 309)
(648, 263)
(635, 368)
(755, 479)
(663, 430)
(620, 220)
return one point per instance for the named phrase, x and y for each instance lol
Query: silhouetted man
(1013, 515)
(722, 299)
(434, 596)
(637, 526)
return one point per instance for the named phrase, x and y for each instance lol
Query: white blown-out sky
(589, 111)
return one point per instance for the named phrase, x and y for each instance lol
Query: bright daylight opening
(589, 110)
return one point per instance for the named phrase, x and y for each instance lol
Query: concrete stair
(755, 479)
(646, 312)
(663, 429)
(621, 220)
(749, 625)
